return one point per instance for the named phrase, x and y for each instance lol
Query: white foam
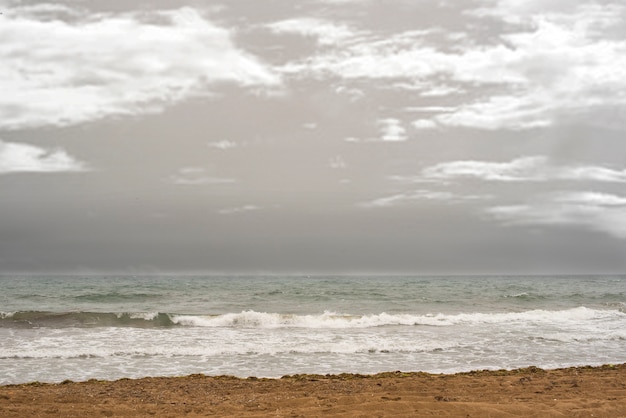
(85, 343)
(147, 316)
(270, 343)
(331, 320)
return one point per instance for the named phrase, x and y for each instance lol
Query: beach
(312, 208)
(572, 392)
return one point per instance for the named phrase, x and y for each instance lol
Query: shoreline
(531, 391)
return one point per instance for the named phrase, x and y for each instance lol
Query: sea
(57, 328)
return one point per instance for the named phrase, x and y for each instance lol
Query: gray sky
(431, 136)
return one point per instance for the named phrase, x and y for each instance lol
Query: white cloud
(564, 64)
(497, 112)
(55, 72)
(551, 62)
(596, 211)
(353, 94)
(337, 162)
(325, 32)
(535, 168)
(583, 12)
(195, 176)
(223, 144)
(239, 209)
(430, 109)
(400, 56)
(411, 179)
(520, 169)
(439, 91)
(403, 198)
(595, 173)
(591, 198)
(25, 158)
(424, 124)
(391, 130)
(39, 11)
(385, 201)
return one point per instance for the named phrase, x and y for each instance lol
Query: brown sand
(530, 392)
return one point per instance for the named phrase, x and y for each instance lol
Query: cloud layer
(570, 204)
(196, 176)
(87, 67)
(536, 168)
(547, 63)
(600, 212)
(350, 133)
(25, 158)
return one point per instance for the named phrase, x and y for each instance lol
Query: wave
(116, 297)
(253, 319)
(326, 320)
(126, 346)
(525, 296)
(179, 351)
(620, 306)
(35, 319)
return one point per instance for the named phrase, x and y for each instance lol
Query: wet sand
(530, 392)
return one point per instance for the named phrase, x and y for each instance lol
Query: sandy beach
(570, 392)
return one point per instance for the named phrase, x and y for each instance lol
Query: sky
(313, 136)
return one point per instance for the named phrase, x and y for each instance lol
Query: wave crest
(253, 319)
(326, 320)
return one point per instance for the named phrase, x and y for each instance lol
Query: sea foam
(253, 319)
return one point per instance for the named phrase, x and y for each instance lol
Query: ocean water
(108, 327)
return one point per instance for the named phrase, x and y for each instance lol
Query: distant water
(78, 328)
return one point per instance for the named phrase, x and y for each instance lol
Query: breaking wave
(326, 320)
